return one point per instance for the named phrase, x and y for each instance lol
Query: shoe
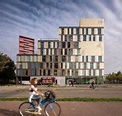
(39, 108)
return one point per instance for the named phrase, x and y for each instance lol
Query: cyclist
(35, 95)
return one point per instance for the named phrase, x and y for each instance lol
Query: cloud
(42, 18)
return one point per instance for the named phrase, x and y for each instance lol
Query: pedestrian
(92, 84)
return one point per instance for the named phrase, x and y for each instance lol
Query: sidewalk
(71, 108)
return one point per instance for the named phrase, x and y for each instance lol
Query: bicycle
(49, 106)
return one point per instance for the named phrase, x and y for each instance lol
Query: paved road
(72, 108)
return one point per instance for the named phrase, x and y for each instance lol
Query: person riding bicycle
(35, 95)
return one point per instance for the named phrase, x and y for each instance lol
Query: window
(70, 65)
(48, 44)
(65, 37)
(99, 58)
(84, 37)
(89, 37)
(62, 31)
(63, 72)
(97, 65)
(56, 58)
(76, 58)
(26, 72)
(99, 30)
(76, 72)
(91, 65)
(55, 51)
(65, 51)
(33, 72)
(72, 31)
(86, 58)
(78, 36)
(82, 30)
(50, 65)
(68, 44)
(70, 51)
(63, 58)
(47, 52)
(84, 72)
(93, 59)
(41, 65)
(40, 72)
(94, 72)
(82, 58)
(50, 58)
(56, 65)
(92, 30)
(85, 66)
(94, 38)
(70, 37)
(61, 65)
(28, 58)
(69, 58)
(100, 38)
(42, 44)
(77, 30)
(76, 44)
(89, 72)
(68, 72)
(63, 45)
(87, 31)
(78, 51)
(100, 72)
(44, 58)
(55, 72)
(44, 72)
(48, 72)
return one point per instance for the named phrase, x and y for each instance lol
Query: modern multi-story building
(78, 54)
(26, 45)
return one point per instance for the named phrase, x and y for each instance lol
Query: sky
(42, 18)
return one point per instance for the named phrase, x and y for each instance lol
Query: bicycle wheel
(52, 109)
(25, 108)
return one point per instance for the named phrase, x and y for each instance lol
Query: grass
(71, 99)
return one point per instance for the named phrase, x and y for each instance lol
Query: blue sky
(41, 19)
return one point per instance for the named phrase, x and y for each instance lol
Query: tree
(7, 68)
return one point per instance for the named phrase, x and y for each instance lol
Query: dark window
(56, 58)
(70, 37)
(93, 59)
(84, 37)
(99, 58)
(89, 37)
(26, 72)
(48, 44)
(62, 31)
(50, 65)
(63, 58)
(78, 36)
(86, 58)
(44, 72)
(100, 38)
(56, 65)
(99, 30)
(63, 45)
(94, 38)
(41, 65)
(65, 51)
(76, 44)
(50, 58)
(87, 31)
(40, 72)
(72, 31)
(42, 44)
(82, 30)
(68, 44)
(92, 30)
(48, 72)
(55, 51)
(77, 30)
(44, 58)
(63, 72)
(65, 37)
